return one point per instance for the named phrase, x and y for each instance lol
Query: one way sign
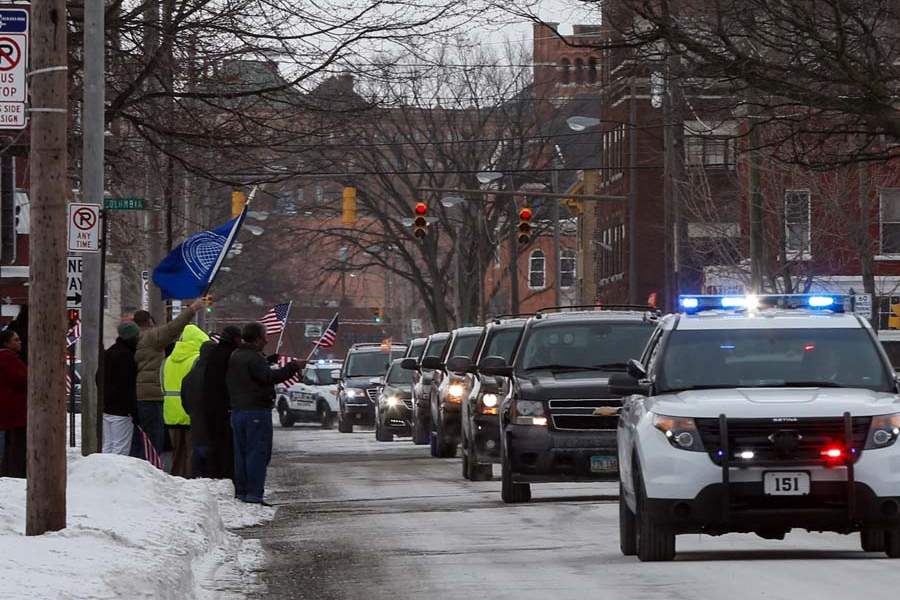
(73, 282)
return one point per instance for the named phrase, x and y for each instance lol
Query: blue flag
(189, 270)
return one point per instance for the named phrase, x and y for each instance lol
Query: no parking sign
(13, 67)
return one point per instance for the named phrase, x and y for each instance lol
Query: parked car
(313, 399)
(421, 391)
(393, 411)
(361, 377)
(558, 421)
(448, 390)
(480, 425)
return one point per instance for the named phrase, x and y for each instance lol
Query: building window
(284, 203)
(579, 70)
(566, 74)
(796, 223)
(890, 220)
(612, 251)
(710, 151)
(592, 70)
(567, 269)
(537, 275)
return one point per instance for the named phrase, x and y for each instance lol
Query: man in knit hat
(120, 390)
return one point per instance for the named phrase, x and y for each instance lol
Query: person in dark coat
(194, 403)
(251, 389)
(220, 462)
(120, 390)
(13, 404)
(20, 326)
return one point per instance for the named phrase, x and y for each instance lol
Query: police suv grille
(372, 393)
(804, 439)
(578, 414)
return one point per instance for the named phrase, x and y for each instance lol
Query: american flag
(329, 336)
(215, 337)
(282, 362)
(150, 452)
(74, 333)
(276, 319)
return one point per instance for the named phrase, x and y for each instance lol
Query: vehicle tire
(432, 444)
(284, 417)
(628, 541)
(326, 417)
(511, 492)
(480, 472)
(419, 433)
(465, 464)
(654, 543)
(445, 448)
(892, 543)
(872, 540)
(381, 435)
(344, 426)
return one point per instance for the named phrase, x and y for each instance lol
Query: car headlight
(489, 400)
(884, 431)
(680, 431)
(351, 393)
(392, 401)
(456, 391)
(529, 412)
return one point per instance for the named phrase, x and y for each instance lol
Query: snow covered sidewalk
(133, 532)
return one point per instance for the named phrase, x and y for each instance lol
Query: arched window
(566, 74)
(592, 70)
(567, 269)
(537, 274)
(579, 70)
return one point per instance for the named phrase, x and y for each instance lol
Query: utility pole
(757, 257)
(557, 262)
(673, 133)
(632, 196)
(589, 219)
(46, 485)
(93, 126)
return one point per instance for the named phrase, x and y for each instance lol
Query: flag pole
(286, 317)
(319, 341)
(232, 236)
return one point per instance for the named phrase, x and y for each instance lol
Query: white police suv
(759, 415)
(311, 399)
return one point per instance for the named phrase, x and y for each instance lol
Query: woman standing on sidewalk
(13, 403)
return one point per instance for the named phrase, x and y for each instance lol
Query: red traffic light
(525, 214)
(421, 208)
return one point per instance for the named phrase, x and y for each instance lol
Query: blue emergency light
(699, 303)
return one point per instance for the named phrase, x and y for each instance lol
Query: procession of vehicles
(749, 414)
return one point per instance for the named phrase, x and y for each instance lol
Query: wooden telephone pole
(46, 488)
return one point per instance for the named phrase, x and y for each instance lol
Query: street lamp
(579, 123)
(254, 229)
(451, 201)
(488, 176)
(258, 215)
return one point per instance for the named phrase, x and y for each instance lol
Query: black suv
(393, 411)
(449, 388)
(421, 392)
(558, 421)
(361, 377)
(480, 435)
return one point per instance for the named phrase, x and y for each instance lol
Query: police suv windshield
(320, 376)
(368, 364)
(464, 345)
(598, 345)
(502, 343)
(820, 357)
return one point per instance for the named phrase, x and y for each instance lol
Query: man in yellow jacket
(174, 370)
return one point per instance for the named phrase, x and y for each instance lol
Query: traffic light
(349, 208)
(525, 215)
(238, 200)
(420, 222)
(378, 314)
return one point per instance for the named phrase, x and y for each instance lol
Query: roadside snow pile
(133, 532)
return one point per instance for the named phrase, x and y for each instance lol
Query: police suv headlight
(529, 412)
(884, 431)
(455, 391)
(351, 393)
(392, 401)
(489, 404)
(680, 431)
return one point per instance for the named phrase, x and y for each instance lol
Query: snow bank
(133, 532)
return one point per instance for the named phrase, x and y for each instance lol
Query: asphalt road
(362, 519)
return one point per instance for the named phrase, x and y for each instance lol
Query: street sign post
(84, 227)
(74, 268)
(862, 305)
(13, 63)
(124, 203)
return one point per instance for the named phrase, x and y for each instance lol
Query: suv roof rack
(598, 307)
(373, 345)
(499, 318)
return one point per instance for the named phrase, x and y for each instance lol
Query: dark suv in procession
(448, 390)
(393, 411)
(421, 392)
(361, 377)
(480, 429)
(558, 421)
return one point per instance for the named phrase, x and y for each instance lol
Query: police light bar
(690, 304)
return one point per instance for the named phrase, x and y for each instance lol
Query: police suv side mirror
(431, 362)
(496, 366)
(623, 384)
(636, 370)
(410, 364)
(459, 364)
